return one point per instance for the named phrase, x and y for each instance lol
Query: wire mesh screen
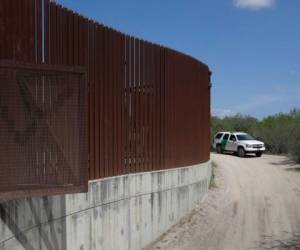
(43, 137)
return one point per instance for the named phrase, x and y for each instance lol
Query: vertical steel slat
(126, 108)
(19, 56)
(12, 21)
(65, 57)
(151, 100)
(152, 89)
(39, 30)
(81, 47)
(148, 98)
(91, 100)
(51, 33)
(117, 102)
(137, 106)
(149, 103)
(94, 93)
(106, 99)
(167, 70)
(101, 100)
(112, 112)
(116, 140)
(164, 108)
(47, 31)
(114, 151)
(70, 38)
(173, 88)
(154, 108)
(142, 107)
(171, 122)
(145, 108)
(168, 111)
(132, 105)
(108, 102)
(76, 39)
(55, 37)
(25, 30)
(159, 108)
(4, 33)
(147, 111)
(32, 28)
(18, 35)
(122, 103)
(97, 118)
(60, 35)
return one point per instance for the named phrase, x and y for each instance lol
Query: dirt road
(255, 203)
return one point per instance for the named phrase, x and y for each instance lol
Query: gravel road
(255, 205)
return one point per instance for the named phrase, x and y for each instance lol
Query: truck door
(224, 141)
(232, 144)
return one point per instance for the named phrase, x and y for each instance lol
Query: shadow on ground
(288, 164)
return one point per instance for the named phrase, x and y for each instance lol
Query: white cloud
(253, 4)
(222, 112)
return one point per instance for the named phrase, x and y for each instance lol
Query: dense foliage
(281, 132)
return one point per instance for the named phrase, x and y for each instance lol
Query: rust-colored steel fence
(149, 106)
(43, 130)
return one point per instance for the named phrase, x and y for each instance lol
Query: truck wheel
(258, 154)
(241, 152)
(219, 149)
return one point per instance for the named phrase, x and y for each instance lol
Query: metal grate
(43, 137)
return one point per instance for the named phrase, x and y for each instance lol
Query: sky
(251, 46)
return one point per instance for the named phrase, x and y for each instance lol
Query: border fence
(43, 133)
(148, 105)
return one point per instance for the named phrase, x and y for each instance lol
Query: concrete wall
(123, 213)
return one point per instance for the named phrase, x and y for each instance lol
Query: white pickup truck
(238, 142)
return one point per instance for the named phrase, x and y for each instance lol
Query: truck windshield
(244, 137)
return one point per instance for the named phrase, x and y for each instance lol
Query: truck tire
(219, 149)
(241, 152)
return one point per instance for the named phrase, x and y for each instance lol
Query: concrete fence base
(122, 213)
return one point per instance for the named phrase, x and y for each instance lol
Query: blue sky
(251, 46)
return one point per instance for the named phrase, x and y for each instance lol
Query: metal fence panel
(148, 106)
(43, 119)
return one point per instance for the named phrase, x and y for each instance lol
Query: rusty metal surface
(43, 123)
(148, 105)
(18, 30)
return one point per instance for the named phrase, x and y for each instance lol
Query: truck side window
(226, 137)
(219, 135)
(232, 138)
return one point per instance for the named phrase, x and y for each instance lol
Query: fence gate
(43, 130)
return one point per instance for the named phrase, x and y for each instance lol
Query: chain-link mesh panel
(43, 137)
